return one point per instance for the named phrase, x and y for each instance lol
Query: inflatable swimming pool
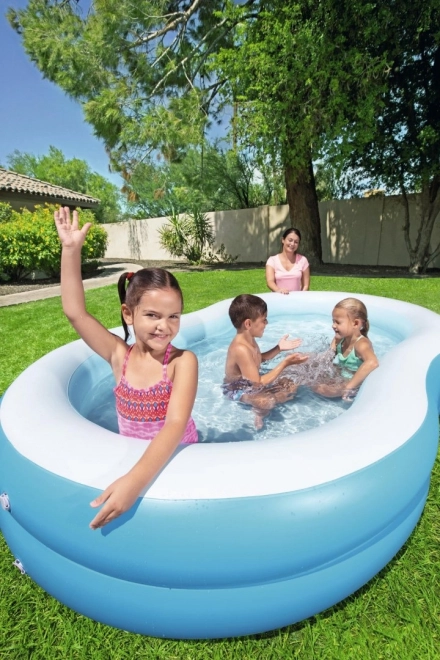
(232, 538)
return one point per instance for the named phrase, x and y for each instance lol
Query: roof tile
(20, 183)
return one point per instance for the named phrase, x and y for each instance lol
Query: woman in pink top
(288, 271)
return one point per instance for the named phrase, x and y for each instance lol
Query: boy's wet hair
(246, 306)
(132, 286)
(356, 310)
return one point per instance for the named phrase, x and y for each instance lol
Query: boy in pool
(243, 381)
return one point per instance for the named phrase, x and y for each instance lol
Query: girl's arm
(364, 350)
(90, 329)
(270, 281)
(284, 344)
(305, 279)
(123, 493)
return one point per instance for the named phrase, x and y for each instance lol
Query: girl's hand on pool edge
(118, 498)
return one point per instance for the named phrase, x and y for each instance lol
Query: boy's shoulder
(240, 345)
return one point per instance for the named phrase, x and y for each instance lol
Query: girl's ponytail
(123, 282)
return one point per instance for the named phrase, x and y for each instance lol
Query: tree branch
(183, 17)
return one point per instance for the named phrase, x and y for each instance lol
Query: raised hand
(68, 230)
(286, 344)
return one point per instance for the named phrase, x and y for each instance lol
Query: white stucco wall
(354, 231)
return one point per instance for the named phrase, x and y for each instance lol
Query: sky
(35, 113)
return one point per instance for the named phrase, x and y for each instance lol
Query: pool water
(220, 420)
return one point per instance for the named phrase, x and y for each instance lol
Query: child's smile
(156, 320)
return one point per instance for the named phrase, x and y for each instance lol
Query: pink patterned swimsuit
(142, 413)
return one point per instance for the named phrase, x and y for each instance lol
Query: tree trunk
(420, 254)
(304, 211)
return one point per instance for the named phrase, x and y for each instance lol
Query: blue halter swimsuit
(349, 364)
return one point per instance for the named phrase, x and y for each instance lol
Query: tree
(150, 73)
(304, 70)
(403, 153)
(74, 174)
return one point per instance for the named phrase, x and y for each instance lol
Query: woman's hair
(132, 286)
(357, 310)
(245, 307)
(289, 230)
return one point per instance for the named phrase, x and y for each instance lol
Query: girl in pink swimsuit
(156, 382)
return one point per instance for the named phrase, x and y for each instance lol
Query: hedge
(29, 242)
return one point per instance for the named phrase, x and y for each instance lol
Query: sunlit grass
(396, 615)
(36, 328)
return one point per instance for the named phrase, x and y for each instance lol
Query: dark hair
(289, 230)
(132, 286)
(357, 310)
(245, 307)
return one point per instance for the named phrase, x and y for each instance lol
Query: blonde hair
(357, 310)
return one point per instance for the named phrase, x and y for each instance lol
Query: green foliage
(29, 241)
(208, 178)
(5, 212)
(192, 236)
(302, 72)
(74, 174)
(332, 183)
(401, 150)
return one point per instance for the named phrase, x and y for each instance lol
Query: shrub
(192, 236)
(29, 241)
(5, 212)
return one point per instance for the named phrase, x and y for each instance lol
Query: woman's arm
(90, 329)
(123, 493)
(305, 279)
(271, 283)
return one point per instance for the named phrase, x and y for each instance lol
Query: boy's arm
(245, 363)
(284, 344)
(289, 360)
(248, 368)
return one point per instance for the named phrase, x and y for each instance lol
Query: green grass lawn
(396, 615)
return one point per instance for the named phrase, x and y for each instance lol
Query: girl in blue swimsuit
(354, 351)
